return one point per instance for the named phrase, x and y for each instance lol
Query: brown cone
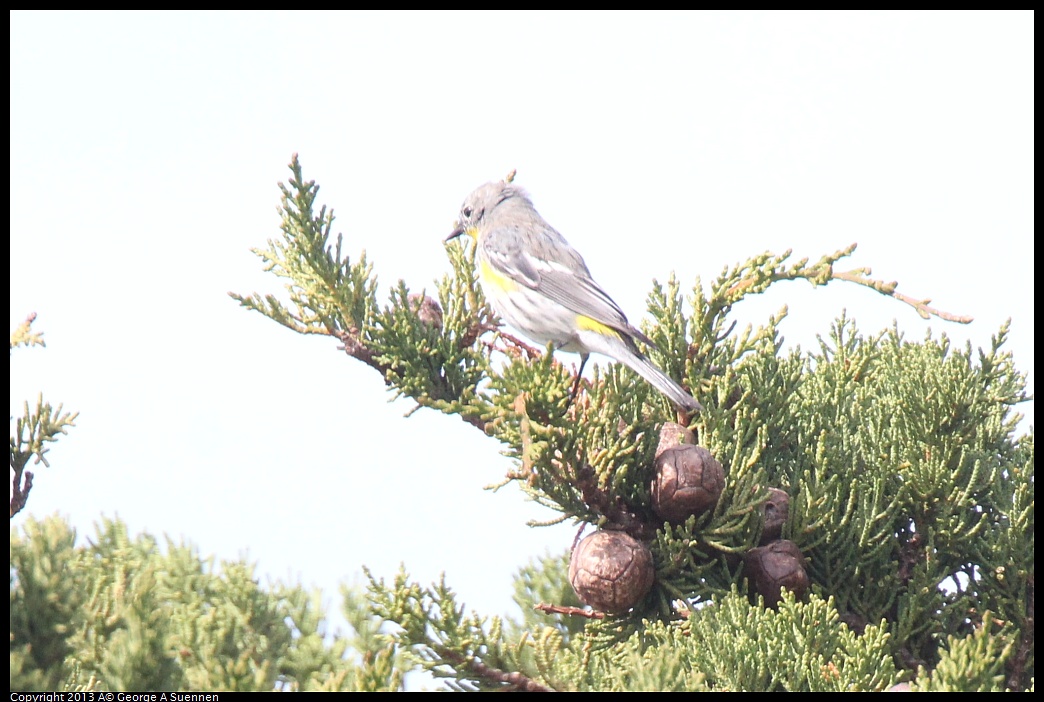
(611, 571)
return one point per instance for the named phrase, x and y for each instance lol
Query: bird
(540, 285)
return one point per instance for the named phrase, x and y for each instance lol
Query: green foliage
(974, 663)
(911, 497)
(911, 504)
(731, 644)
(45, 605)
(121, 614)
(796, 647)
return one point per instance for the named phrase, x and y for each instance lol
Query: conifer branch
(453, 646)
(356, 348)
(822, 272)
(34, 429)
(867, 436)
(514, 680)
(20, 488)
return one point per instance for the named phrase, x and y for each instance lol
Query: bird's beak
(457, 231)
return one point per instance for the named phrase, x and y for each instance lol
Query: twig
(354, 347)
(921, 306)
(516, 681)
(568, 611)
(531, 352)
(1017, 664)
(822, 272)
(620, 516)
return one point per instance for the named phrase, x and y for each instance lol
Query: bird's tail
(660, 380)
(623, 349)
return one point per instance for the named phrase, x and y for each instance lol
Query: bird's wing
(558, 272)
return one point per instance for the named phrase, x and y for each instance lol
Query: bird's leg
(579, 375)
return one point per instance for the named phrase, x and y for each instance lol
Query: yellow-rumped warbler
(541, 286)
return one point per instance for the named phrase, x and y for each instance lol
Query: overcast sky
(146, 149)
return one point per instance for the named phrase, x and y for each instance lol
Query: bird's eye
(466, 211)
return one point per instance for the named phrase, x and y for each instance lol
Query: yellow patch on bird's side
(595, 326)
(496, 280)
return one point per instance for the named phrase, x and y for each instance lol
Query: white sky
(145, 153)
